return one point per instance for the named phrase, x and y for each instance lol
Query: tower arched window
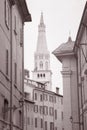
(41, 75)
(46, 65)
(41, 65)
(38, 75)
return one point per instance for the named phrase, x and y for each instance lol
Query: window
(38, 75)
(41, 123)
(15, 73)
(7, 62)
(55, 114)
(35, 122)
(7, 14)
(35, 96)
(20, 118)
(55, 99)
(41, 109)
(45, 97)
(46, 64)
(15, 25)
(45, 125)
(28, 120)
(21, 37)
(41, 97)
(5, 110)
(51, 126)
(62, 115)
(45, 110)
(14, 116)
(35, 108)
(41, 65)
(51, 98)
(43, 75)
(51, 111)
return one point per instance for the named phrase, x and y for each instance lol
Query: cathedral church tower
(42, 72)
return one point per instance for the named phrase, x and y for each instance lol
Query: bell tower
(42, 72)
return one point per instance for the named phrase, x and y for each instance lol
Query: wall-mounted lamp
(6, 108)
(71, 120)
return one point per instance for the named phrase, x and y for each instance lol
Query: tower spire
(41, 19)
(42, 72)
(41, 41)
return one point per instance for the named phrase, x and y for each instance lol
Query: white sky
(60, 18)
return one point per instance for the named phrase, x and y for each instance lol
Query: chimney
(57, 90)
(27, 95)
(26, 73)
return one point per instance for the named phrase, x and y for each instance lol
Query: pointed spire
(41, 19)
(41, 41)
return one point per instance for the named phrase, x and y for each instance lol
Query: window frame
(7, 62)
(36, 122)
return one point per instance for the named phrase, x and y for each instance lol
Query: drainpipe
(23, 81)
(78, 89)
(81, 91)
(11, 124)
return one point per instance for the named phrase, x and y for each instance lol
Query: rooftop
(64, 48)
(25, 11)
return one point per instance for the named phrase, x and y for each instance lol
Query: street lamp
(71, 119)
(21, 103)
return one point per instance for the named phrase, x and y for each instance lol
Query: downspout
(81, 90)
(23, 81)
(72, 127)
(11, 123)
(78, 90)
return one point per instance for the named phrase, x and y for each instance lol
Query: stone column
(67, 99)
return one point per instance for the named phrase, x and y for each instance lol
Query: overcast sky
(62, 18)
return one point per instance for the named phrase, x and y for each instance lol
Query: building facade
(65, 54)
(48, 106)
(13, 14)
(80, 50)
(28, 113)
(42, 72)
(74, 61)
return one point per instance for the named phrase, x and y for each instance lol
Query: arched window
(5, 109)
(38, 75)
(41, 65)
(46, 65)
(43, 75)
